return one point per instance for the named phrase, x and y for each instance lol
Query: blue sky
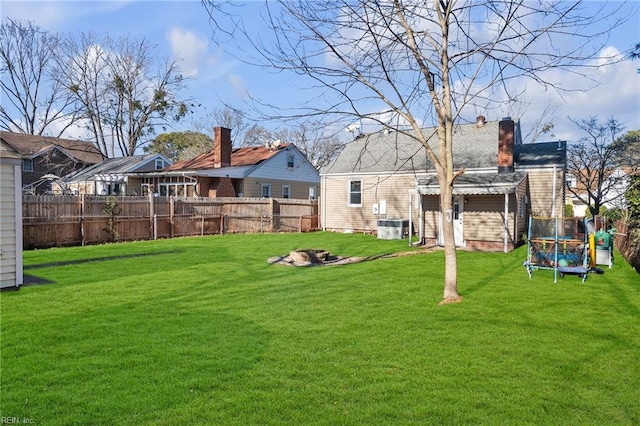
(182, 29)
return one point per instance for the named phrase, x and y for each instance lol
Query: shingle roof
(536, 154)
(475, 183)
(248, 156)
(32, 145)
(473, 147)
(112, 166)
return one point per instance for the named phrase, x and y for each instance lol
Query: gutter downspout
(410, 216)
(506, 222)
(323, 200)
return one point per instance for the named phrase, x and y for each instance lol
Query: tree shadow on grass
(97, 259)
(128, 361)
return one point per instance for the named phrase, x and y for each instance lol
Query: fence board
(50, 220)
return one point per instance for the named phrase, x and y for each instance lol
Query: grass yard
(205, 331)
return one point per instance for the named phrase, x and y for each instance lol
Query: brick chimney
(506, 134)
(222, 147)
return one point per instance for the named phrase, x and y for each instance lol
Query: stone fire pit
(314, 257)
(307, 257)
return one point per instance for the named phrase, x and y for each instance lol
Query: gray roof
(475, 183)
(538, 154)
(116, 166)
(473, 147)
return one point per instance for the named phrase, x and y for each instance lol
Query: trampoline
(558, 244)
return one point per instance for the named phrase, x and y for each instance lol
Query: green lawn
(205, 331)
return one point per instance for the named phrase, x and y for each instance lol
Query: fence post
(171, 213)
(151, 217)
(82, 210)
(275, 213)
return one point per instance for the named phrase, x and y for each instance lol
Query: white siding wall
(10, 223)
(276, 169)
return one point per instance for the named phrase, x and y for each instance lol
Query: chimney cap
(507, 118)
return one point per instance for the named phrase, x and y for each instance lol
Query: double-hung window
(355, 193)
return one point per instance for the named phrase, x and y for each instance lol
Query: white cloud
(58, 15)
(191, 49)
(239, 85)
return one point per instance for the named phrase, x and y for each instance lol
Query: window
(572, 182)
(312, 192)
(27, 165)
(290, 161)
(355, 193)
(286, 191)
(523, 206)
(265, 190)
(159, 163)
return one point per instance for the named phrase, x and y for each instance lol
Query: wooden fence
(67, 220)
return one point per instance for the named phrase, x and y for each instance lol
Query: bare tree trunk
(450, 293)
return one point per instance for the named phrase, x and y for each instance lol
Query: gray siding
(10, 223)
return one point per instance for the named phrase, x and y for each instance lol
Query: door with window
(458, 221)
(458, 212)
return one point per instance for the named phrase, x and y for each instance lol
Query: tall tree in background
(425, 62)
(125, 91)
(601, 162)
(180, 145)
(33, 101)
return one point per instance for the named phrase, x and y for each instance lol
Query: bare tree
(244, 131)
(314, 139)
(33, 101)
(427, 62)
(125, 91)
(600, 162)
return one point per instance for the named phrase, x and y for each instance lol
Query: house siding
(483, 216)
(338, 216)
(299, 190)
(10, 223)
(541, 187)
(276, 169)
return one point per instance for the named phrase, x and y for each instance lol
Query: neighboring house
(614, 186)
(46, 159)
(115, 176)
(388, 175)
(11, 275)
(279, 170)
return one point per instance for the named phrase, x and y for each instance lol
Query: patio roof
(475, 184)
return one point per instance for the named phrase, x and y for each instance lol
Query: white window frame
(266, 186)
(159, 163)
(291, 161)
(350, 193)
(313, 190)
(286, 191)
